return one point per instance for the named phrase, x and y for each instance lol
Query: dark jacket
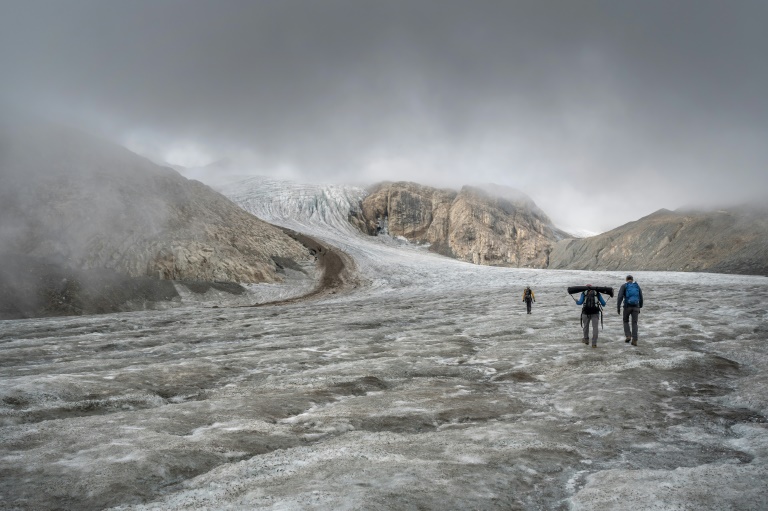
(622, 296)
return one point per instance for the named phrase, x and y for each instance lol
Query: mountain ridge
(473, 225)
(721, 241)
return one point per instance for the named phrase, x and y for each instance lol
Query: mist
(602, 112)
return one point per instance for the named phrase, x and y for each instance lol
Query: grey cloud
(661, 100)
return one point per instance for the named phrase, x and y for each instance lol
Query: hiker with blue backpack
(632, 296)
(592, 311)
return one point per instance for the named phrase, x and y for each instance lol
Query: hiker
(632, 296)
(591, 312)
(528, 297)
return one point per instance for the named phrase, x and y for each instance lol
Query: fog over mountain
(601, 111)
(81, 217)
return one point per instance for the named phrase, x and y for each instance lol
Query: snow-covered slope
(322, 211)
(319, 208)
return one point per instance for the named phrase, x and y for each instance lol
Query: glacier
(426, 387)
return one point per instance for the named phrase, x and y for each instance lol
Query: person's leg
(585, 320)
(528, 306)
(625, 319)
(595, 318)
(635, 314)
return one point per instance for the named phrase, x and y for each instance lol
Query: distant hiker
(528, 297)
(591, 312)
(632, 296)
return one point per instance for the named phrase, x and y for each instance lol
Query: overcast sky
(602, 112)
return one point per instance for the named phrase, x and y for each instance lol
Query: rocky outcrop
(500, 228)
(415, 212)
(79, 202)
(732, 241)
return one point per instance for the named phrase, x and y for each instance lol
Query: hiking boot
(634, 343)
(627, 339)
(585, 340)
(594, 345)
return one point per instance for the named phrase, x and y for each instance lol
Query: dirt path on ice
(339, 271)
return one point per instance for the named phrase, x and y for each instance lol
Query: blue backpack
(632, 294)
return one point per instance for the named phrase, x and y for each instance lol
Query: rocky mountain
(725, 241)
(78, 202)
(502, 227)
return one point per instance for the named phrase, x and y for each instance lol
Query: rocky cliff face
(732, 241)
(83, 203)
(474, 225)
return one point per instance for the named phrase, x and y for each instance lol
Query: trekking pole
(581, 317)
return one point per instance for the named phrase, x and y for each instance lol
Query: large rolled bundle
(600, 289)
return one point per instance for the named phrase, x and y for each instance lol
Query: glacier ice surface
(427, 388)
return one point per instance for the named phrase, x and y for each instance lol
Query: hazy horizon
(601, 112)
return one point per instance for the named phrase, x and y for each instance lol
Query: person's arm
(533, 296)
(620, 298)
(602, 300)
(581, 299)
(641, 296)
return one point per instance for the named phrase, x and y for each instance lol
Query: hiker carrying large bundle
(632, 296)
(591, 312)
(528, 297)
